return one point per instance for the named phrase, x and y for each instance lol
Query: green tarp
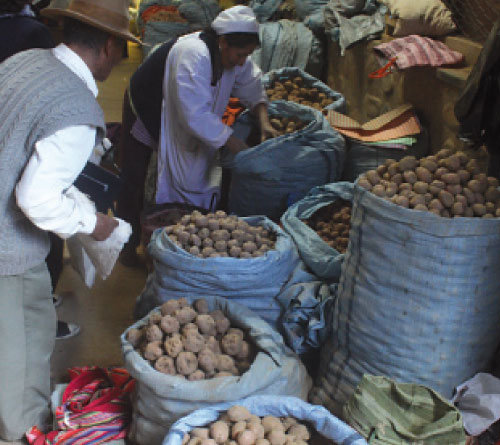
(390, 413)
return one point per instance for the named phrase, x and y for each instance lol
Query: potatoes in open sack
(333, 223)
(218, 235)
(239, 426)
(205, 347)
(447, 184)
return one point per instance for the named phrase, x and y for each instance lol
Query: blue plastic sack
(145, 4)
(306, 8)
(255, 282)
(198, 13)
(417, 300)
(307, 321)
(327, 425)
(162, 399)
(359, 157)
(156, 33)
(322, 259)
(283, 74)
(264, 176)
(264, 9)
(288, 43)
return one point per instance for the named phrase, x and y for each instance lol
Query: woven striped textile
(95, 409)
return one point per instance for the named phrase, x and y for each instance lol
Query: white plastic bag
(80, 261)
(104, 254)
(89, 256)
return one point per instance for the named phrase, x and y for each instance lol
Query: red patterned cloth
(95, 409)
(415, 50)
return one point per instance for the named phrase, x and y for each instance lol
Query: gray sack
(417, 301)
(162, 399)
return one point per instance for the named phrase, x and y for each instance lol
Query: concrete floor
(104, 311)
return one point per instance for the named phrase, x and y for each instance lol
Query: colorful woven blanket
(95, 409)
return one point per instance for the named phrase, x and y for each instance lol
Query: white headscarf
(236, 19)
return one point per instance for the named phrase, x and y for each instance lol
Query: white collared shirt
(45, 192)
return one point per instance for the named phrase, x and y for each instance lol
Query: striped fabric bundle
(95, 409)
(415, 50)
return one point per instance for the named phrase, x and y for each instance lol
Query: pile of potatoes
(191, 342)
(285, 11)
(237, 426)
(332, 223)
(219, 235)
(295, 90)
(287, 125)
(447, 184)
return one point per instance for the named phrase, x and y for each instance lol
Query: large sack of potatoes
(418, 294)
(319, 224)
(189, 354)
(269, 176)
(248, 260)
(361, 157)
(263, 420)
(295, 85)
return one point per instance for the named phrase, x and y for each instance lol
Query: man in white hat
(196, 75)
(49, 123)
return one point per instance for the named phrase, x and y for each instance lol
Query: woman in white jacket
(199, 72)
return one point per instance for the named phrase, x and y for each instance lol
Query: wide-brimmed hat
(108, 15)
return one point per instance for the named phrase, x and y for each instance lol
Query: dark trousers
(133, 158)
(54, 259)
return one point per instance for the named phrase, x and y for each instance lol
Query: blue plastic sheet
(266, 176)
(283, 74)
(417, 300)
(327, 425)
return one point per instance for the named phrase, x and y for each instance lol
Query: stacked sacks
(417, 300)
(271, 175)
(161, 398)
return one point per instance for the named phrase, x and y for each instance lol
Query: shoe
(57, 299)
(66, 330)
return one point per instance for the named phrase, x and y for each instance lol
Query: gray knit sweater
(39, 95)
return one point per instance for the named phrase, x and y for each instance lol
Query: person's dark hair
(237, 39)
(242, 39)
(79, 33)
(12, 6)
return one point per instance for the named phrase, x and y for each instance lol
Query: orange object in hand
(233, 110)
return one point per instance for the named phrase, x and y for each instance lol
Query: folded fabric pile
(396, 129)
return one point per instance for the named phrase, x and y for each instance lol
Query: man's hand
(104, 227)
(235, 145)
(267, 131)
